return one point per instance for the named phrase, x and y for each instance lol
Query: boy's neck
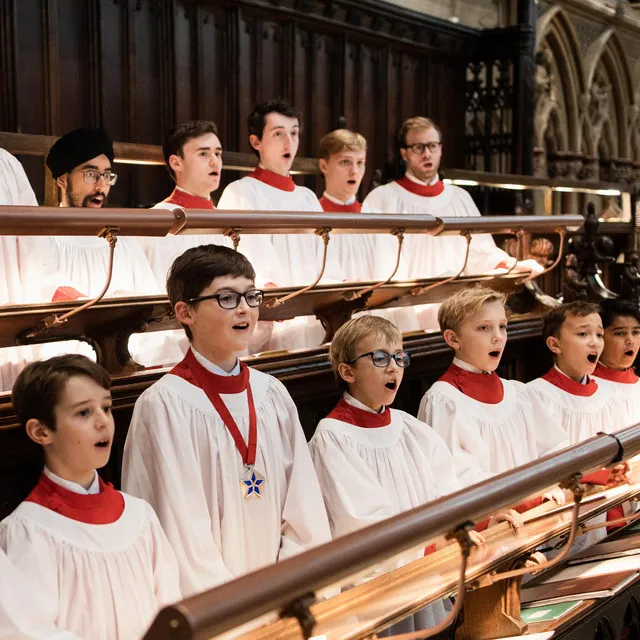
(374, 406)
(467, 366)
(611, 366)
(184, 186)
(576, 376)
(262, 165)
(222, 358)
(340, 196)
(82, 478)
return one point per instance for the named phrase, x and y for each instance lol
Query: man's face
(279, 144)
(621, 342)
(578, 345)
(79, 188)
(423, 162)
(199, 168)
(343, 173)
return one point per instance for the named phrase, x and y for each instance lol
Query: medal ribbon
(210, 383)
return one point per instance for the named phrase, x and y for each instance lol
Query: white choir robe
(370, 474)
(300, 255)
(583, 417)
(488, 439)
(180, 457)
(627, 387)
(425, 256)
(15, 190)
(23, 611)
(104, 582)
(82, 263)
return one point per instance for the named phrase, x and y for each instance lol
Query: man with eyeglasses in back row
(420, 191)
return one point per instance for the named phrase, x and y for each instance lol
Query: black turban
(77, 147)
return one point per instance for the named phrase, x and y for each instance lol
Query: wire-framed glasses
(92, 176)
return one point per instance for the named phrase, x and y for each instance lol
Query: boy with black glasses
(217, 448)
(374, 462)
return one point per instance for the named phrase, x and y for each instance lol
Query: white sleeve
(374, 203)
(352, 494)
(469, 452)
(236, 197)
(15, 188)
(28, 586)
(160, 466)
(304, 518)
(549, 434)
(166, 576)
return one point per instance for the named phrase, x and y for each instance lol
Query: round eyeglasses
(383, 358)
(231, 299)
(92, 176)
(419, 147)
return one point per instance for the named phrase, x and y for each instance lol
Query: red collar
(625, 376)
(188, 200)
(102, 508)
(284, 183)
(329, 205)
(483, 387)
(426, 190)
(345, 412)
(570, 386)
(221, 384)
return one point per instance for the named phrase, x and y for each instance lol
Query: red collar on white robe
(483, 387)
(218, 384)
(625, 376)
(564, 382)
(284, 183)
(188, 200)
(101, 508)
(345, 412)
(329, 206)
(426, 190)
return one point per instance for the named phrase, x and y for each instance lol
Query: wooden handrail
(273, 587)
(70, 221)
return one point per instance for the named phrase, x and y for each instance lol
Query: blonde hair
(465, 304)
(350, 335)
(339, 141)
(419, 123)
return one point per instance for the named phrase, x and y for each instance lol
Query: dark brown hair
(177, 137)
(612, 309)
(554, 320)
(193, 271)
(258, 117)
(36, 391)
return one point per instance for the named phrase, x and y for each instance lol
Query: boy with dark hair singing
(216, 447)
(621, 322)
(101, 556)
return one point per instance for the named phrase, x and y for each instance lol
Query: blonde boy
(99, 557)
(490, 424)
(374, 462)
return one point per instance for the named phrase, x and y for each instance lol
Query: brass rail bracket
(180, 221)
(234, 234)
(110, 234)
(300, 610)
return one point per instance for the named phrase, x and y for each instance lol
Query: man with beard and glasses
(421, 191)
(62, 268)
(70, 267)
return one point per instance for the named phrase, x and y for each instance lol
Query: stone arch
(559, 85)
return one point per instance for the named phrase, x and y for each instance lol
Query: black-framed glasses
(419, 147)
(231, 299)
(382, 358)
(92, 176)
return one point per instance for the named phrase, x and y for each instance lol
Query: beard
(75, 200)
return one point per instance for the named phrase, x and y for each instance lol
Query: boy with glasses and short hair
(374, 462)
(216, 447)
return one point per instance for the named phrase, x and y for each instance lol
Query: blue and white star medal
(252, 483)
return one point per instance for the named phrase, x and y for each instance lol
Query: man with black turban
(80, 163)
